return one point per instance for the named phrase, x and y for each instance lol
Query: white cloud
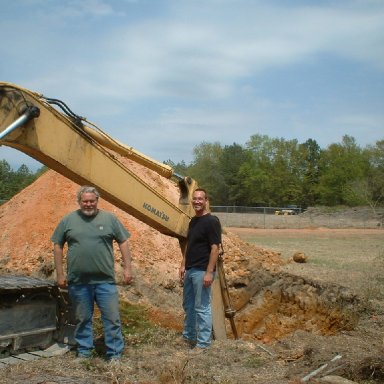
(205, 70)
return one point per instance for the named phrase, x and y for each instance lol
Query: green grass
(134, 319)
(136, 327)
(253, 362)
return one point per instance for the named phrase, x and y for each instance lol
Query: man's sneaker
(186, 342)
(110, 359)
(114, 362)
(83, 358)
(197, 351)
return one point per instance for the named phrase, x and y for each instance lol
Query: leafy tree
(253, 180)
(23, 177)
(256, 173)
(179, 168)
(12, 182)
(285, 175)
(359, 192)
(40, 171)
(310, 154)
(369, 189)
(274, 172)
(205, 170)
(230, 162)
(5, 180)
(340, 164)
(376, 174)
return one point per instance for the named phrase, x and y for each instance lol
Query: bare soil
(292, 317)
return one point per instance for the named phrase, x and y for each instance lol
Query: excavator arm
(69, 145)
(80, 151)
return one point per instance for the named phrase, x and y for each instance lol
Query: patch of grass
(134, 319)
(253, 362)
(136, 327)
(373, 287)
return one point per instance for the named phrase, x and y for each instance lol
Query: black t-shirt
(203, 232)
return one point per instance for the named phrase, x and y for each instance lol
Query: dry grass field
(350, 257)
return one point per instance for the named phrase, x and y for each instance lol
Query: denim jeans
(83, 297)
(197, 308)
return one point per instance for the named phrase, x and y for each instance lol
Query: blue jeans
(83, 297)
(197, 308)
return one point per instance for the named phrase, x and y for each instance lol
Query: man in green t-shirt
(89, 234)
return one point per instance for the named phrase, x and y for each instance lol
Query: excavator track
(29, 314)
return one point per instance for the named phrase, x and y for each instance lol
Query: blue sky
(164, 76)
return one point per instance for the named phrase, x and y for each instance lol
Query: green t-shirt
(90, 257)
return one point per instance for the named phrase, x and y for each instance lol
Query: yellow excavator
(47, 130)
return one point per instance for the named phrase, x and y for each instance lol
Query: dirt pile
(264, 298)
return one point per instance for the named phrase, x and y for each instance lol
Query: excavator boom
(70, 146)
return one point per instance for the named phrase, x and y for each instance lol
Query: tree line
(12, 182)
(277, 172)
(266, 171)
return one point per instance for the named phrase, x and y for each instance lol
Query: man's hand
(127, 264)
(58, 258)
(128, 276)
(208, 279)
(62, 283)
(181, 273)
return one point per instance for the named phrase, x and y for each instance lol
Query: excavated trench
(269, 305)
(286, 303)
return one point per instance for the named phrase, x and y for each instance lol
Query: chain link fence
(281, 217)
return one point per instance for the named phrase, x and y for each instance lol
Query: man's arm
(58, 258)
(213, 257)
(127, 261)
(182, 269)
(182, 265)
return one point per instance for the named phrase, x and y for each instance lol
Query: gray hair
(87, 189)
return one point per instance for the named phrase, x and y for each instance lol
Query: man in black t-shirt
(197, 271)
